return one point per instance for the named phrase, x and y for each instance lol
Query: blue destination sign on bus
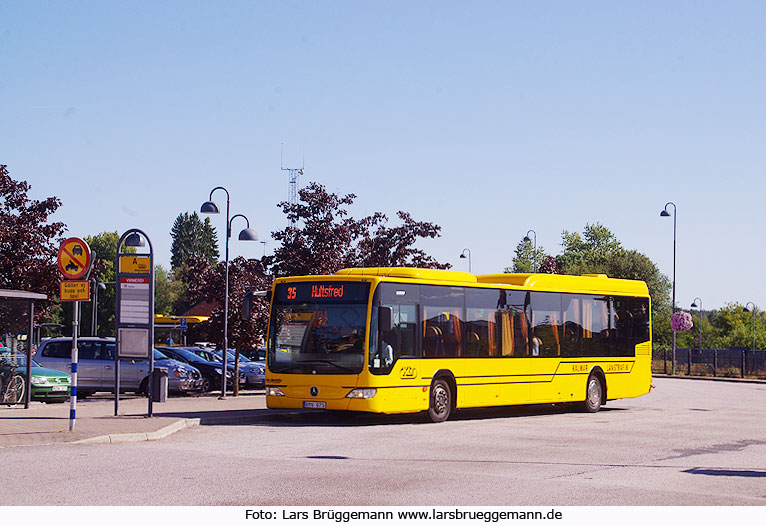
(311, 292)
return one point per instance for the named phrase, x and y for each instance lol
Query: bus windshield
(318, 328)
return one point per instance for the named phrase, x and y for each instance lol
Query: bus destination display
(332, 292)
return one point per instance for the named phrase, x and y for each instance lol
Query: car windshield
(231, 356)
(159, 356)
(318, 328)
(187, 355)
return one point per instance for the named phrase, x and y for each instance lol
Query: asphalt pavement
(96, 421)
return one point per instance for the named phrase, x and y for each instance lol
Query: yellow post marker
(135, 264)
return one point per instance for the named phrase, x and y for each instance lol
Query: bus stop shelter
(17, 324)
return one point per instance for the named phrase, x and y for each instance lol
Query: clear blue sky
(487, 118)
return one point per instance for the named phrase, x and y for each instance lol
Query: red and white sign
(135, 301)
(74, 258)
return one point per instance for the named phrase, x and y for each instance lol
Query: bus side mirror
(247, 302)
(385, 318)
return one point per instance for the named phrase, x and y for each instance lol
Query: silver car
(182, 377)
(95, 367)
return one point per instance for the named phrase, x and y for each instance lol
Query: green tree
(192, 237)
(733, 327)
(103, 250)
(167, 291)
(525, 257)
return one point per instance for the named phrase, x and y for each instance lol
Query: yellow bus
(405, 340)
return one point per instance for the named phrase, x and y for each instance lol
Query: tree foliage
(383, 246)
(322, 237)
(192, 237)
(103, 250)
(525, 257)
(28, 241)
(245, 275)
(167, 291)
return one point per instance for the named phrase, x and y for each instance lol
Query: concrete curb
(713, 379)
(142, 437)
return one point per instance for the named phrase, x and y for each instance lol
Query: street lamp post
(462, 256)
(209, 207)
(665, 213)
(695, 304)
(94, 318)
(534, 248)
(753, 311)
(698, 303)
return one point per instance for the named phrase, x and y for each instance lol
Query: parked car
(211, 370)
(255, 373)
(182, 377)
(95, 367)
(48, 385)
(257, 355)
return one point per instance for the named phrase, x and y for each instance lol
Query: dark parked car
(211, 370)
(255, 373)
(255, 355)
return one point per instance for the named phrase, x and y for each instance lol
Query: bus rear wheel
(440, 405)
(594, 393)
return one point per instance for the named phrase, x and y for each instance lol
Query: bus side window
(546, 324)
(443, 310)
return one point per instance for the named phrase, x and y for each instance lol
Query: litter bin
(160, 385)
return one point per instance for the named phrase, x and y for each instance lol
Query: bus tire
(594, 394)
(440, 404)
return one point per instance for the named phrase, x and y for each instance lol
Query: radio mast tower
(292, 194)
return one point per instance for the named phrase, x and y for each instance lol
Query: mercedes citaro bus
(404, 340)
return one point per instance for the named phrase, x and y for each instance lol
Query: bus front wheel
(594, 392)
(441, 401)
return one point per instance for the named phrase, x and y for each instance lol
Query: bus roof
(550, 282)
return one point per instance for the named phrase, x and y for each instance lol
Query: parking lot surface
(686, 443)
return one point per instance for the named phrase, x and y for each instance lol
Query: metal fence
(731, 363)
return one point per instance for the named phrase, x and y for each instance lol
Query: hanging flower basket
(681, 321)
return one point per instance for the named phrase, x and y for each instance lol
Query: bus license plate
(59, 388)
(314, 405)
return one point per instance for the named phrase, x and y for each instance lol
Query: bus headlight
(274, 391)
(362, 393)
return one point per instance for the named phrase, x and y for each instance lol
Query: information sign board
(74, 290)
(135, 301)
(133, 343)
(135, 264)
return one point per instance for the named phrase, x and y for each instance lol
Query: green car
(48, 385)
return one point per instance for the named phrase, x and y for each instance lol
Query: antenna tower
(292, 194)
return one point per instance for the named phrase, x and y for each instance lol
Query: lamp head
(462, 256)
(102, 286)
(526, 239)
(134, 240)
(694, 304)
(664, 213)
(209, 207)
(248, 234)
(745, 309)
